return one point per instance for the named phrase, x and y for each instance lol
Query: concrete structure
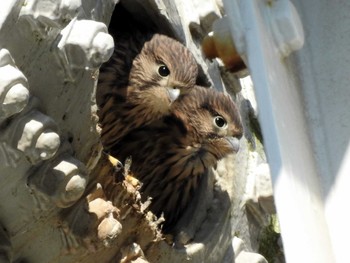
(58, 202)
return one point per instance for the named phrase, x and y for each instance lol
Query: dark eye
(163, 71)
(220, 122)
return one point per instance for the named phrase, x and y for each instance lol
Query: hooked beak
(173, 93)
(234, 143)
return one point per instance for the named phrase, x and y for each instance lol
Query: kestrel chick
(145, 75)
(170, 159)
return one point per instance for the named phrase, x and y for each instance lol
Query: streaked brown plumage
(137, 86)
(169, 158)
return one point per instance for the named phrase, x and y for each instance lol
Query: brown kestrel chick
(145, 75)
(170, 158)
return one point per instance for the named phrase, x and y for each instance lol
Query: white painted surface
(325, 78)
(303, 111)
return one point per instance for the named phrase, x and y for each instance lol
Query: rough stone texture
(59, 201)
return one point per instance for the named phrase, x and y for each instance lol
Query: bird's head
(213, 119)
(165, 65)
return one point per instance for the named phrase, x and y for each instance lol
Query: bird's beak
(234, 143)
(173, 93)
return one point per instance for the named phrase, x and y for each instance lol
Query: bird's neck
(155, 102)
(193, 149)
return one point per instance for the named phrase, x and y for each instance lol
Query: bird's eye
(220, 122)
(163, 71)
